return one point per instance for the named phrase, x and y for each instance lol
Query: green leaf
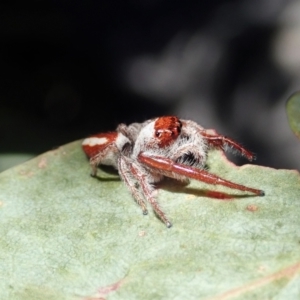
(293, 112)
(10, 160)
(65, 235)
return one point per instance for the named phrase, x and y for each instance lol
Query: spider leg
(222, 142)
(131, 131)
(148, 190)
(169, 168)
(125, 174)
(96, 160)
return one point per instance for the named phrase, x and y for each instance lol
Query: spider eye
(157, 133)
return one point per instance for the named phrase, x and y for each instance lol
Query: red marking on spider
(145, 153)
(97, 143)
(167, 130)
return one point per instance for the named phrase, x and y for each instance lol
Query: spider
(145, 153)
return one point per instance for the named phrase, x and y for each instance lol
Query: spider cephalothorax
(145, 153)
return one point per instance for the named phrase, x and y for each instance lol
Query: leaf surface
(65, 235)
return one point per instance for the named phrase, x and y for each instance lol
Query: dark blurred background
(72, 68)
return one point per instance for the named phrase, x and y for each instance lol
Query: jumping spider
(145, 153)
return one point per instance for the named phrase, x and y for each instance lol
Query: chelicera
(145, 153)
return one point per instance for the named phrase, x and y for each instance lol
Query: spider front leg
(131, 183)
(169, 168)
(220, 141)
(148, 190)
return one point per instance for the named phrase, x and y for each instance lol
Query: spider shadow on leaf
(112, 172)
(176, 186)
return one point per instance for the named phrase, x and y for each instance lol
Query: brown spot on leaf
(103, 291)
(110, 288)
(142, 233)
(26, 173)
(288, 272)
(42, 163)
(252, 207)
